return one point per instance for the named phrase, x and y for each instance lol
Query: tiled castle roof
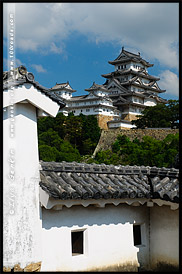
(63, 86)
(92, 181)
(126, 56)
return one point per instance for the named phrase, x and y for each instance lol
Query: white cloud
(39, 68)
(55, 49)
(170, 82)
(151, 28)
(6, 63)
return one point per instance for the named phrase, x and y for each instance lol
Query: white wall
(94, 111)
(22, 225)
(108, 237)
(164, 235)
(149, 102)
(120, 124)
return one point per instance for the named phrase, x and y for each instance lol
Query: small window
(77, 242)
(137, 235)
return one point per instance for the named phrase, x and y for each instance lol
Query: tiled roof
(92, 181)
(97, 87)
(63, 86)
(9, 81)
(126, 56)
(129, 71)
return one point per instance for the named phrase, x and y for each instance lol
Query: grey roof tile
(95, 181)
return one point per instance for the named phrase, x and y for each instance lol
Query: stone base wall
(108, 137)
(33, 267)
(102, 121)
(129, 117)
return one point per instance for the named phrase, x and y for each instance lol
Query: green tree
(47, 153)
(159, 116)
(147, 152)
(107, 157)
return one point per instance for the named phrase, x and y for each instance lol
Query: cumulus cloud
(170, 82)
(39, 68)
(144, 27)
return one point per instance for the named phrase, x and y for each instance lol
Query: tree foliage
(147, 152)
(159, 116)
(71, 136)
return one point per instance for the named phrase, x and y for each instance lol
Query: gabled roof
(63, 86)
(22, 76)
(80, 181)
(137, 81)
(118, 85)
(97, 87)
(126, 56)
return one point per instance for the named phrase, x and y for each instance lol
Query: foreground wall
(21, 220)
(164, 237)
(108, 238)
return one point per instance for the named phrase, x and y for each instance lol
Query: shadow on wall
(91, 215)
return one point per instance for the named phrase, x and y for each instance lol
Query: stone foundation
(33, 267)
(129, 117)
(108, 137)
(102, 121)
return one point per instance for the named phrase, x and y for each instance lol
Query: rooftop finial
(122, 48)
(139, 53)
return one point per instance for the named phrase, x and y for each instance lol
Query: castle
(60, 216)
(124, 95)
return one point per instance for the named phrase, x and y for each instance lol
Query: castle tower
(131, 87)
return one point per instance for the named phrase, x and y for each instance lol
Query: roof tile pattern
(90, 181)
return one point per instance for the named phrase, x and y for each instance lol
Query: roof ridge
(101, 168)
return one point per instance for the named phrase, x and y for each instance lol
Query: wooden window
(77, 242)
(137, 237)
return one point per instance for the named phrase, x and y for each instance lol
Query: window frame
(84, 240)
(142, 234)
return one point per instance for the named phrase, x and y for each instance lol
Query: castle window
(87, 109)
(77, 242)
(137, 235)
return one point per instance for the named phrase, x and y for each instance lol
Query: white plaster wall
(65, 94)
(94, 111)
(108, 237)
(22, 225)
(149, 102)
(116, 125)
(164, 235)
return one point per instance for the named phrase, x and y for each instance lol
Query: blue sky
(73, 42)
